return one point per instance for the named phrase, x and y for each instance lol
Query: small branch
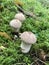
(29, 14)
(36, 61)
(41, 61)
(20, 63)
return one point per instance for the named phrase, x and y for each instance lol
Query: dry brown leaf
(4, 34)
(42, 54)
(18, 2)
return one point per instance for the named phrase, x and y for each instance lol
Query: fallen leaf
(18, 2)
(4, 34)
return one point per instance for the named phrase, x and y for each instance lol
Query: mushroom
(16, 24)
(20, 16)
(28, 38)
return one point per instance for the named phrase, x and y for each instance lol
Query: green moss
(12, 54)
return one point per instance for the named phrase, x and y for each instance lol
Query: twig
(20, 63)
(37, 63)
(29, 14)
(41, 61)
(38, 60)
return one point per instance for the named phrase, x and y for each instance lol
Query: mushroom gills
(25, 48)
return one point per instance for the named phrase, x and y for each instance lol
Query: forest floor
(11, 53)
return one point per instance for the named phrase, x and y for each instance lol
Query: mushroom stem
(25, 48)
(17, 30)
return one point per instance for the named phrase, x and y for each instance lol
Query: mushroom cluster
(27, 38)
(16, 23)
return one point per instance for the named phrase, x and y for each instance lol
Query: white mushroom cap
(20, 16)
(28, 37)
(15, 23)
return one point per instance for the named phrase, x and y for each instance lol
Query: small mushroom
(16, 24)
(20, 16)
(28, 38)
